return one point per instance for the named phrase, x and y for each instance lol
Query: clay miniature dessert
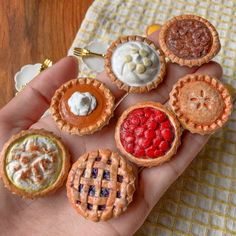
(148, 134)
(135, 64)
(100, 185)
(189, 40)
(82, 106)
(34, 163)
(201, 103)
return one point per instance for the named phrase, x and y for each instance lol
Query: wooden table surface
(32, 30)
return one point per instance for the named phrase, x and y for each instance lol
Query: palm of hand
(53, 214)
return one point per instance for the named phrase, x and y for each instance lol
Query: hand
(53, 215)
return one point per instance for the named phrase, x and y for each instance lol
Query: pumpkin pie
(189, 40)
(201, 103)
(148, 134)
(100, 185)
(34, 163)
(135, 64)
(82, 106)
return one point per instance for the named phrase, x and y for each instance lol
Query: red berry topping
(164, 146)
(147, 133)
(167, 134)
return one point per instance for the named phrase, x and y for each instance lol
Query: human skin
(53, 215)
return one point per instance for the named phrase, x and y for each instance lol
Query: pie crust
(160, 126)
(82, 125)
(201, 103)
(189, 40)
(100, 185)
(34, 163)
(157, 78)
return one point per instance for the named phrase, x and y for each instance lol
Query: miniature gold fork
(82, 52)
(46, 63)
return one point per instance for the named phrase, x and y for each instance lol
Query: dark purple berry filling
(98, 159)
(104, 192)
(118, 195)
(81, 187)
(90, 206)
(94, 173)
(119, 178)
(92, 190)
(101, 207)
(106, 175)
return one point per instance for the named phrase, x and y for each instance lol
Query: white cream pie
(34, 163)
(135, 64)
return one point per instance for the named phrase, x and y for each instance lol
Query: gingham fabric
(203, 200)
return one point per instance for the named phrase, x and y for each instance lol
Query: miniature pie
(189, 40)
(201, 103)
(148, 134)
(34, 163)
(82, 106)
(135, 64)
(100, 185)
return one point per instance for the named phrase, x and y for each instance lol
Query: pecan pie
(100, 185)
(82, 106)
(148, 134)
(189, 40)
(135, 64)
(34, 163)
(201, 103)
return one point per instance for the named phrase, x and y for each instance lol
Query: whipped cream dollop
(135, 63)
(82, 104)
(33, 163)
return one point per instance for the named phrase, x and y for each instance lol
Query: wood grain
(32, 30)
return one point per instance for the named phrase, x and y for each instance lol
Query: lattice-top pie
(100, 185)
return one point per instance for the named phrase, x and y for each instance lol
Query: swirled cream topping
(135, 63)
(82, 104)
(33, 163)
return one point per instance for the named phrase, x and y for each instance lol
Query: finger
(27, 107)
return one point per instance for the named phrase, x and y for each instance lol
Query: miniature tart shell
(61, 177)
(81, 172)
(186, 122)
(158, 160)
(105, 116)
(119, 83)
(215, 48)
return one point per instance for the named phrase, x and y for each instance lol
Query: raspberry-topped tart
(135, 64)
(34, 163)
(201, 103)
(100, 185)
(82, 106)
(189, 40)
(148, 134)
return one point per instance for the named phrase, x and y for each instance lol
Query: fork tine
(78, 54)
(78, 49)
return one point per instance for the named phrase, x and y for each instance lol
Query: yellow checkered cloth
(203, 200)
